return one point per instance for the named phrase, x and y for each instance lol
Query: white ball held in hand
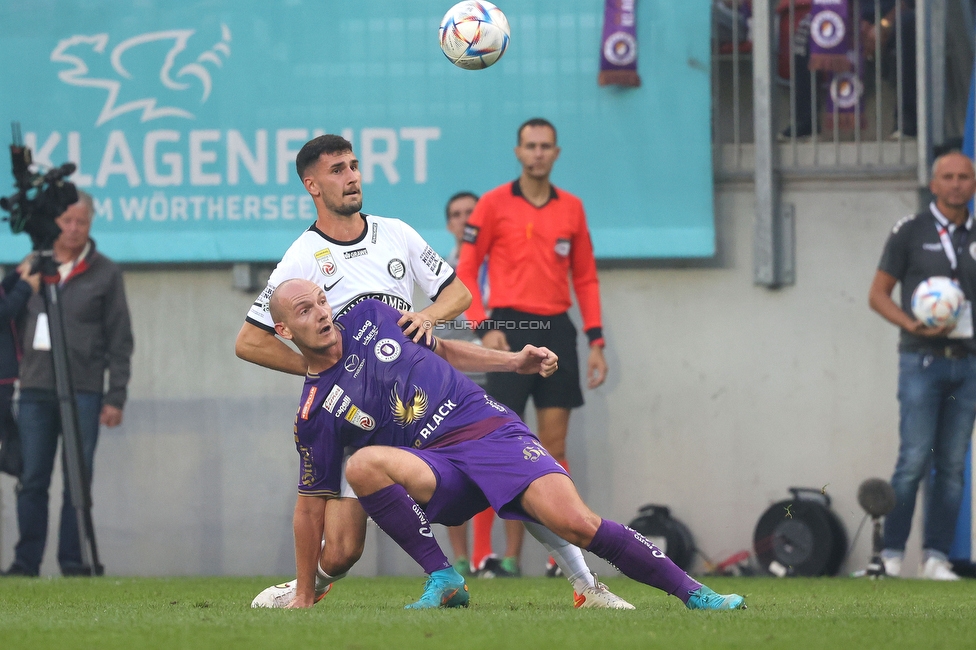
(937, 301)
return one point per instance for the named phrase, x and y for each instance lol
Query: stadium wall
(721, 395)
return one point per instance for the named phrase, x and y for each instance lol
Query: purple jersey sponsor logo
(359, 418)
(362, 330)
(346, 401)
(435, 420)
(332, 398)
(387, 350)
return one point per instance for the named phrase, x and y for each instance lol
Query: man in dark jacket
(15, 290)
(99, 339)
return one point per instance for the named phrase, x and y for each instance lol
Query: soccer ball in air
(936, 301)
(474, 34)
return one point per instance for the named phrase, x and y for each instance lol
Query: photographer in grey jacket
(99, 340)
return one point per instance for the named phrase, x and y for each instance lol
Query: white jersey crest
(383, 263)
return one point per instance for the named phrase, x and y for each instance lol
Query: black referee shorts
(557, 333)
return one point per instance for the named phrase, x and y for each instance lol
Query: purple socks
(637, 558)
(401, 518)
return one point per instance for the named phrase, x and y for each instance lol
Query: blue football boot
(705, 598)
(444, 588)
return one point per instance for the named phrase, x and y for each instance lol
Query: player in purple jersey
(433, 447)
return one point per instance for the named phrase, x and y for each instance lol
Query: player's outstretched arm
(265, 349)
(468, 357)
(450, 304)
(309, 522)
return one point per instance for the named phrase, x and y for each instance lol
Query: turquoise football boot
(705, 598)
(444, 588)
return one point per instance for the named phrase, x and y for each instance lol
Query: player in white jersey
(351, 256)
(383, 263)
(354, 256)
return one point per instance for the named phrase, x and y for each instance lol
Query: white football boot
(938, 569)
(892, 565)
(279, 596)
(599, 597)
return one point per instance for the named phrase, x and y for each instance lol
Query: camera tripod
(77, 476)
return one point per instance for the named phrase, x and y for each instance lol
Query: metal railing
(878, 139)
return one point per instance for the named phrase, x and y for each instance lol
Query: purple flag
(618, 54)
(831, 37)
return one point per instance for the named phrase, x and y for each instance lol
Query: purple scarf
(831, 36)
(618, 54)
(845, 93)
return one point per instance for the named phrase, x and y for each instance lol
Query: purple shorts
(491, 471)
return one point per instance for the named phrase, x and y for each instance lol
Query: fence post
(772, 238)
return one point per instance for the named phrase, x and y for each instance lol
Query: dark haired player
(354, 256)
(433, 447)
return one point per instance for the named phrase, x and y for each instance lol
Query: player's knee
(340, 558)
(360, 467)
(581, 527)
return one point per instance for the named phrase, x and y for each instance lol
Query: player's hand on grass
(495, 340)
(596, 367)
(417, 326)
(300, 603)
(921, 329)
(532, 360)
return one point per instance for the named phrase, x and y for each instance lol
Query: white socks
(568, 557)
(323, 579)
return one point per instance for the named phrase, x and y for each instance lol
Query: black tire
(798, 535)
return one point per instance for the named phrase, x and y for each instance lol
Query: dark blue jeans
(40, 426)
(937, 398)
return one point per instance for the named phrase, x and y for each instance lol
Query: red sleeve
(474, 248)
(585, 281)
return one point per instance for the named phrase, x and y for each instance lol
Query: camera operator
(15, 290)
(99, 338)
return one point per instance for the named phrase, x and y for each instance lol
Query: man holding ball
(937, 365)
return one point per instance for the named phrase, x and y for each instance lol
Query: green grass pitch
(526, 614)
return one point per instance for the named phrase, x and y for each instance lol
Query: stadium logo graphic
(84, 52)
(412, 411)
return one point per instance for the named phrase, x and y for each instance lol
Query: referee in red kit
(535, 236)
